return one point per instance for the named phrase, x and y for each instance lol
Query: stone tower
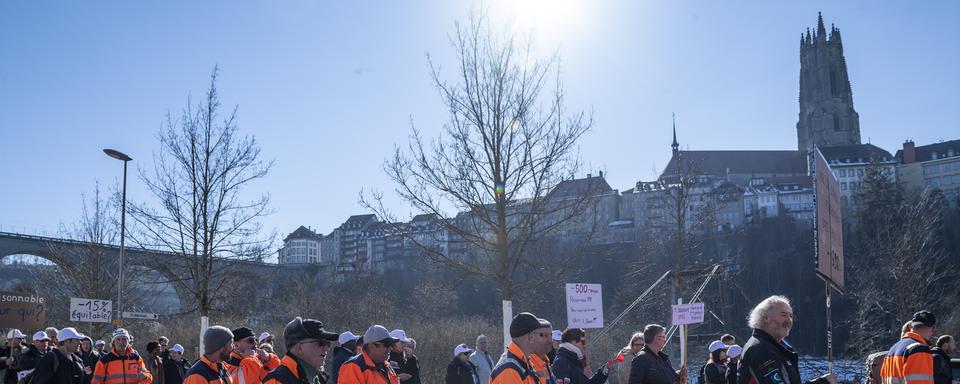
(826, 117)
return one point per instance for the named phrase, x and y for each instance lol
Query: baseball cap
(100, 342)
(523, 323)
(734, 351)
(176, 348)
(263, 336)
(557, 335)
(926, 318)
(15, 334)
(67, 334)
(399, 334)
(377, 333)
(40, 335)
(716, 345)
(347, 337)
(462, 348)
(300, 329)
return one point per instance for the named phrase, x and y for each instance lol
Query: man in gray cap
(307, 345)
(370, 366)
(217, 345)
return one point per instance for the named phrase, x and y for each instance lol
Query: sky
(329, 88)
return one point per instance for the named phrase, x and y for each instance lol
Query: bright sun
(547, 20)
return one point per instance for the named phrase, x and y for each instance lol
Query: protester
(10, 354)
(397, 359)
(244, 366)
(461, 370)
(371, 366)
(766, 358)
(272, 361)
(307, 345)
(175, 366)
(946, 345)
(714, 372)
(652, 366)
(217, 347)
(52, 334)
(99, 346)
(555, 337)
(910, 360)
(122, 365)
(342, 353)
(625, 357)
(40, 346)
(728, 340)
(153, 361)
(874, 361)
(411, 365)
(539, 361)
(570, 364)
(514, 366)
(482, 360)
(164, 347)
(89, 356)
(61, 365)
(733, 358)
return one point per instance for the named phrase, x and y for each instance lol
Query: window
(931, 169)
(836, 122)
(843, 186)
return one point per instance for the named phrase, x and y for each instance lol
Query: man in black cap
(514, 366)
(910, 360)
(243, 365)
(307, 345)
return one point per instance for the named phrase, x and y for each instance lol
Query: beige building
(931, 166)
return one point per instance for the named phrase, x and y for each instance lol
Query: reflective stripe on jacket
(360, 369)
(244, 370)
(514, 368)
(115, 368)
(206, 372)
(909, 361)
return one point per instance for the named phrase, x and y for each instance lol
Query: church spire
(821, 31)
(675, 145)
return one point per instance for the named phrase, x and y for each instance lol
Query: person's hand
(683, 374)
(141, 376)
(404, 376)
(262, 355)
(830, 378)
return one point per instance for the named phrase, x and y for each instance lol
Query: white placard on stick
(688, 313)
(91, 310)
(584, 305)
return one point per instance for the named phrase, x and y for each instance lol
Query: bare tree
(201, 216)
(490, 179)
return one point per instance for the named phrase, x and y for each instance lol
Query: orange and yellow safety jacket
(514, 368)
(909, 361)
(121, 368)
(244, 370)
(541, 368)
(360, 369)
(205, 371)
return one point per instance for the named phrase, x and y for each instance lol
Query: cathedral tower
(827, 117)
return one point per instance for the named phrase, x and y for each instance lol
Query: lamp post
(123, 221)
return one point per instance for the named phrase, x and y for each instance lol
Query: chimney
(601, 174)
(909, 152)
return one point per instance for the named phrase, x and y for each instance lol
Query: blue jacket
(568, 365)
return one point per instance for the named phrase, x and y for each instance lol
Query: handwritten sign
(687, 313)
(91, 310)
(584, 305)
(22, 310)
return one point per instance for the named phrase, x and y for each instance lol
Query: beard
(224, 354)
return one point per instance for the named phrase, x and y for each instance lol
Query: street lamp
(123, 221)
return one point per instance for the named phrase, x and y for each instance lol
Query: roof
(925, 152)
(358, 221)
(303, 233)
(855, 153)
(592, 185)
(720, 163)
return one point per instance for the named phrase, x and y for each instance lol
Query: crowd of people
(536, 354)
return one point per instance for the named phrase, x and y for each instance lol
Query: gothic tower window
(836, 122)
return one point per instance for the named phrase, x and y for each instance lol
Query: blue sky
(329, 88)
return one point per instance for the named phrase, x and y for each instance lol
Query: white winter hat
(462, 348)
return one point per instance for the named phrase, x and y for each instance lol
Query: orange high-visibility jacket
(360, 369)
(205, 371)
(541, 368)
(908, 362)
(121, 368)
(244, 370)
(272, 363)
(514, 368)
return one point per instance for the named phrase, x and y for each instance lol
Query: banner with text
(91, 310)
(687, 313)
(584, 306)
(25, 311)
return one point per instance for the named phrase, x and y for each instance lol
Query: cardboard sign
(828, 226)
(91, 310)
(687, 313)
(22, 310)
(584, 306)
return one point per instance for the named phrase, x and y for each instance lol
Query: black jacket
(10, 368)
(715, 373)
(174, 370)
(568, 365)
(67, 369)
(461, 372)
(411, 366)
(89, 360)
(340, 356)
(30, 358)
(769, 362)
(652, 368)
(941, 367)
(731, 375)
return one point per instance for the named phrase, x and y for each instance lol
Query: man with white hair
(767, 358)
(481, 358)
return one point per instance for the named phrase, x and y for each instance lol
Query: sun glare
(549, 21)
